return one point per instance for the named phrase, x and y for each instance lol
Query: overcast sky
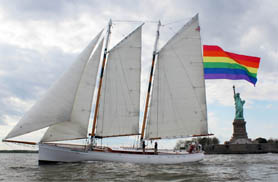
(39, 39)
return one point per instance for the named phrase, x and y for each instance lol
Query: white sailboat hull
(49, 153)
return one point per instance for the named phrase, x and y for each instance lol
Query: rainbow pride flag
(219, 64)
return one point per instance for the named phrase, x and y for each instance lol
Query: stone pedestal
(240, 134)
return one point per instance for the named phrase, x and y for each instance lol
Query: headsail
(120, 97)
(77, 127)
(178, 103)
(56, 106)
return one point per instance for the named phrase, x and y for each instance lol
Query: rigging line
(193, 87)
(135, 21)
(177, 21)
(151, 21)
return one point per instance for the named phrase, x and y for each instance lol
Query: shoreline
(19, 151)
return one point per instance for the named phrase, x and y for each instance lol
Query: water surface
(255, 167)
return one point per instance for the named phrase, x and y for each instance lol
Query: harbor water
(256, 167)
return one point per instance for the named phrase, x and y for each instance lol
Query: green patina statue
(238, 105)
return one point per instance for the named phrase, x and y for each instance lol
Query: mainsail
(77, 126)
(57, 104)
(178, 105)
(120, 97)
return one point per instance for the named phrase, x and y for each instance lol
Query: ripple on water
(257, 167)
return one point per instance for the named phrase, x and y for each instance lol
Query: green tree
(272, 141)
(215, 141)
(261, 140)
(208, 141)
(204, 141)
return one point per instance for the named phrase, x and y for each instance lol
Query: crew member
(155, 147)
(143, 146)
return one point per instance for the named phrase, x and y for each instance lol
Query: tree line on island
(206, 141)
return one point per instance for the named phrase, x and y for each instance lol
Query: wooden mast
(101, 76)
(150, 82)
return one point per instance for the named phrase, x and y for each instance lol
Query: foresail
(120, 96)
(56, 105)
(77, 126)
(178, 103)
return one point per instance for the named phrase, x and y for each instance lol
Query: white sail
(120, 96)
(178, 103)
(56, 106)
(77, 127)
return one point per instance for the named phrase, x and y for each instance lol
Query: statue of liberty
(238, 105)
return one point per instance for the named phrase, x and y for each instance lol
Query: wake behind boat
(175, 104)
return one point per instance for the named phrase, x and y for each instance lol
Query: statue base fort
(240, 143)
(254, 148)
(239, 134)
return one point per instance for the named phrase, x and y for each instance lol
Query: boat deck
(148, 151)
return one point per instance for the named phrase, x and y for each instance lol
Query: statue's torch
(234, 90)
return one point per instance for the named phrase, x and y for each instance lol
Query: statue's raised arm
(238, 105)
(234, 90)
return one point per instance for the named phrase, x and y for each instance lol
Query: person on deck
(143, 146)
(191, 148)
(155, 147)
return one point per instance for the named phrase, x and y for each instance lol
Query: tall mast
(101, 76)
(150, 81)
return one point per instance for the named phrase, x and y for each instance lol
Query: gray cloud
(228, 22)
(39, 10)
(27, 74)
(70, 9)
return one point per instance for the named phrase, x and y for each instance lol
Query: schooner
(175, 104)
